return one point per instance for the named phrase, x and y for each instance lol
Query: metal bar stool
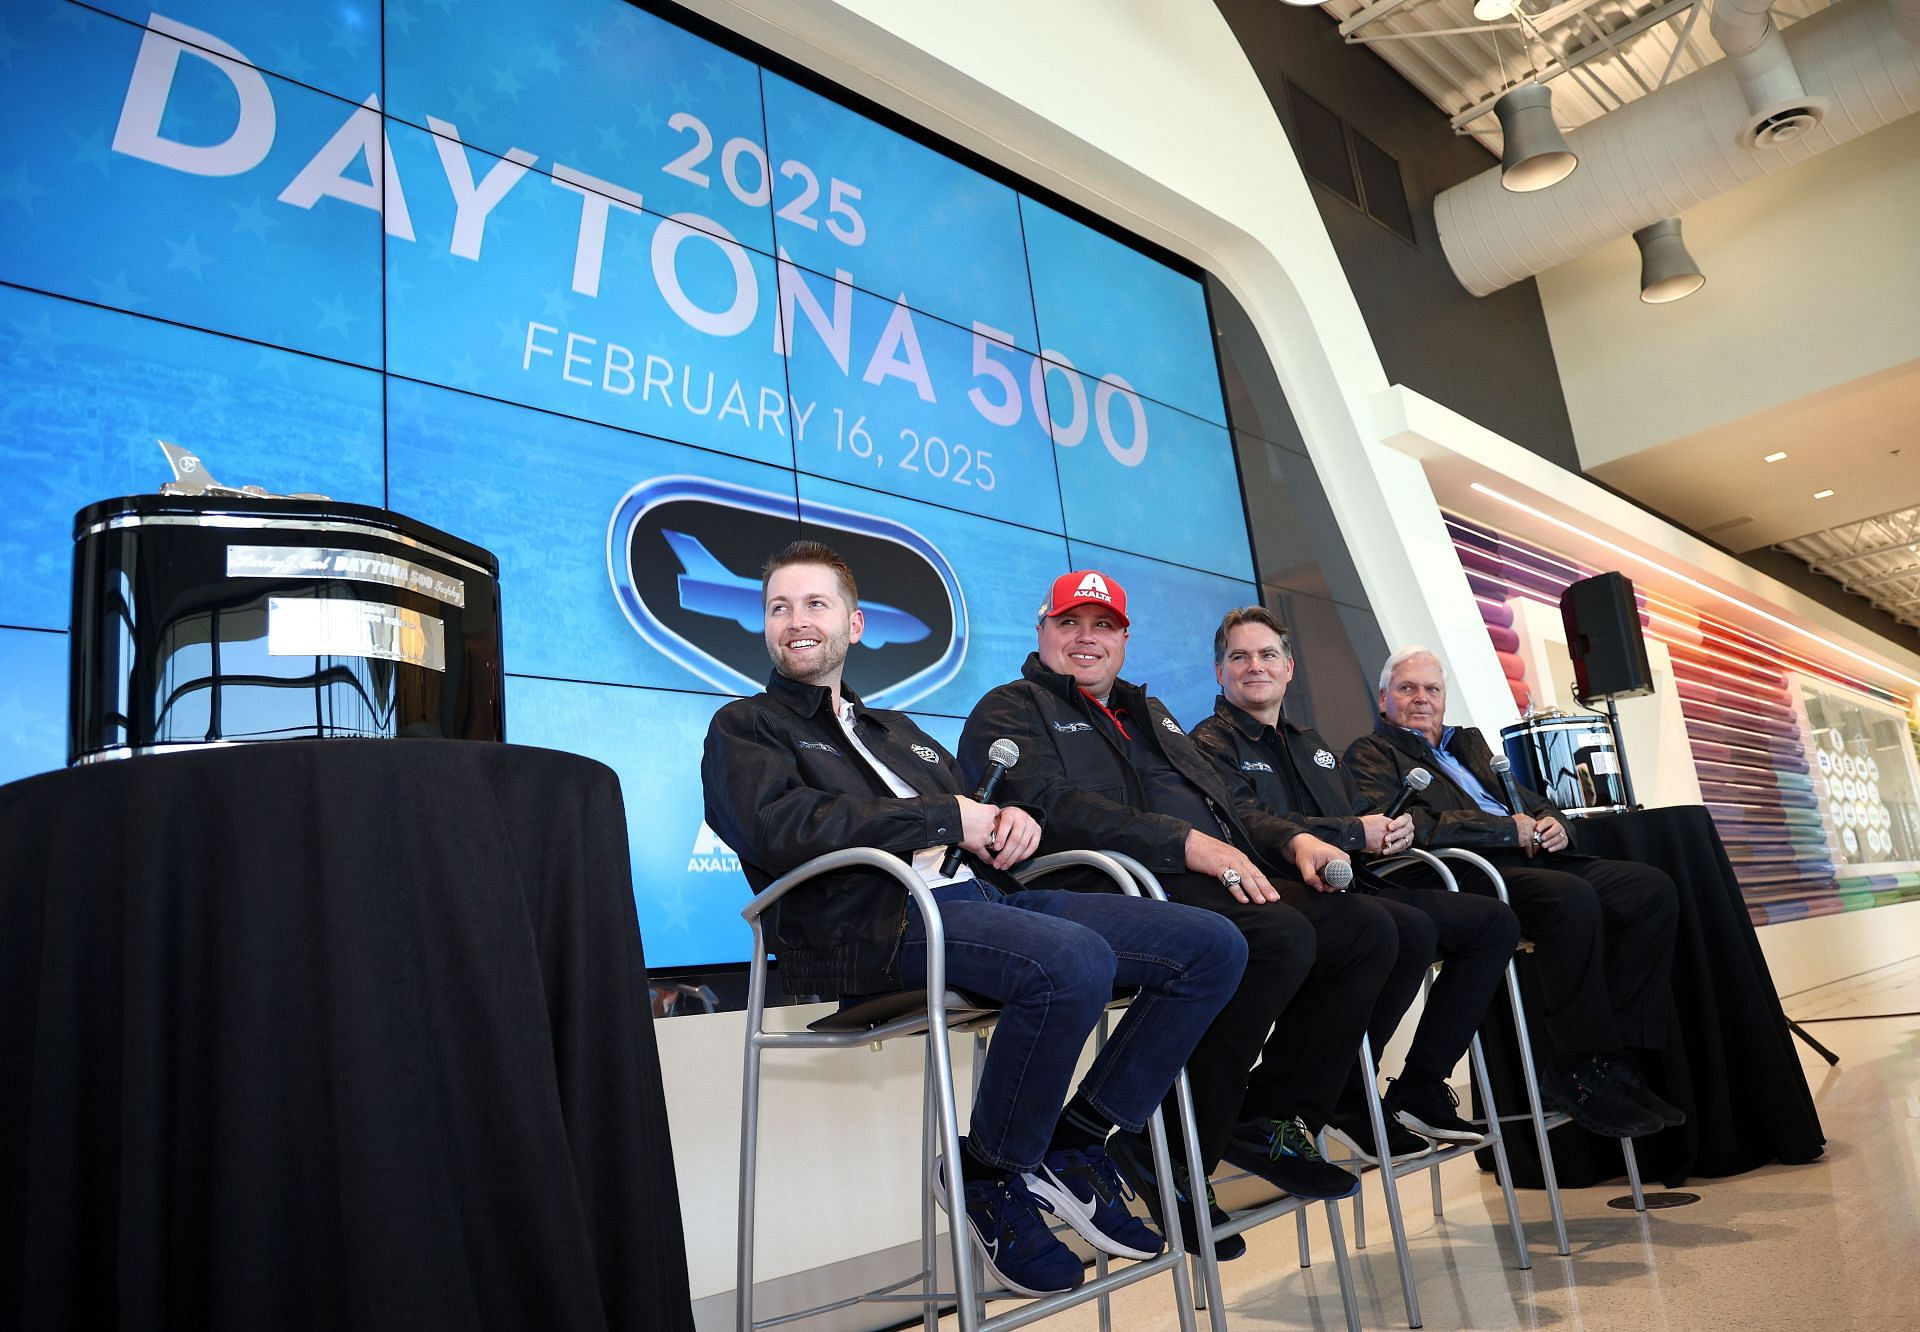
(1544, 1121)
(1391, 1172)
(913, 1013)
(1206, 1233)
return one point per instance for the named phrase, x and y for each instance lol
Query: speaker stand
(1620, 752)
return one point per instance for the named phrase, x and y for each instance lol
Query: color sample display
(626, 308)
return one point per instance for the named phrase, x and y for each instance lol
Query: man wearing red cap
(1108, 768)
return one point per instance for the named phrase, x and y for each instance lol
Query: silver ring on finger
(1229, 879)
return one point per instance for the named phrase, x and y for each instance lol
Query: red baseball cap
(1085, 587)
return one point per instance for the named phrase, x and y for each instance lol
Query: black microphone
(1001, 755)
(1504, 766)
(1416, 781)
(1337, 873)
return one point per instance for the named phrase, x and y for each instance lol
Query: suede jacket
(783, 785)
(1076, 773)
(1443, 814)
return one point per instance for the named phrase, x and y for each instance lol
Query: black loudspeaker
(1603, 636)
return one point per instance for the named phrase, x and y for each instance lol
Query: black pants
(1602, 934)
(1474, 937)
(1315, 965)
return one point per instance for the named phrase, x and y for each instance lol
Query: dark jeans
(1315, 965)
(1474, 937)
(1052, 959)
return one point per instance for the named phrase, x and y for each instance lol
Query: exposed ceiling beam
(1373, 12)
(1563, 65)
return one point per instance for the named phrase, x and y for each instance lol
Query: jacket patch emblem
(822, 746)
(1069, 728)
(1172, 725)
(1323, 757)
(1255, 765)
(931, 756)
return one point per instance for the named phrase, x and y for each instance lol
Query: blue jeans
(1052, 959)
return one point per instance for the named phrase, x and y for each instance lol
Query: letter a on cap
(1086, 587)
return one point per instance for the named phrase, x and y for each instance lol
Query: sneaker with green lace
(1282, 1152)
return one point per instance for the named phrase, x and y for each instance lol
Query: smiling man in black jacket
(806, 768)
(1110, 769)
(1289, 769)
(1602, 930)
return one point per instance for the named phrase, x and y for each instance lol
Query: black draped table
(1730, 1061)
(329, 1034)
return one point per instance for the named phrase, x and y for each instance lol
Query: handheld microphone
(1416, 781)
(1337, 873)
(1001, 755)
(1504, 766)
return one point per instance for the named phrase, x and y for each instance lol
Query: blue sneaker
(1082, 1188)
(1020, 1252)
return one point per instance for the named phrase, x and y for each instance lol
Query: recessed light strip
(1695, 583)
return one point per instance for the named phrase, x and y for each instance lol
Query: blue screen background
(495, 265)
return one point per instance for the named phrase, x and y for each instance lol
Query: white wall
(1813, 280)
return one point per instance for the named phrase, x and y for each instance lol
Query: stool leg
(750, 1135)
(1209, 1296)
(1633, 1174)
(1524, 1039)
(929, 1221)
(1476, 1061)
(1360, 1217)
(1300, 1231)
(1183, 1300)
(1103, 1302)
(1389, 1187)
(967, 1306)
(1341, 1267)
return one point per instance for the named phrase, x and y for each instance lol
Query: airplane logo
(708, 587)
(675, 544)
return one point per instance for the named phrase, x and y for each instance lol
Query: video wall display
(1864, 776)
(625, 307)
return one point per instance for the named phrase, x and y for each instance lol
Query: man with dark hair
(1286, 768)
(1110, 769)
(805, 768)
(1602, 930)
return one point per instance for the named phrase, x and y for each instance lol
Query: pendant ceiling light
(1492, 11)
(1536, 154)
(1667, 271)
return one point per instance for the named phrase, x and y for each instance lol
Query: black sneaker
(1429, 1107)
(1281, 1151)
(1020, 1252)
(1596, 1102)
(1619, 1068)
(1082, 1188)
(1354, 1131)
(1132, 1153)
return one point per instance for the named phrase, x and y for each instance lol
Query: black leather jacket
(1076, 774)
(1443, 814)
(783, 785)
(1250, 751)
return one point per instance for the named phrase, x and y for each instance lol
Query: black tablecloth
(1730, 1061)
(329, 1034)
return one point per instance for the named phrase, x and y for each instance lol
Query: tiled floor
(1833, 1246)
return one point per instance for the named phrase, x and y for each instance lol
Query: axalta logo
(1069, 728)
(684, 556)
(710, 855)
(1093, 585)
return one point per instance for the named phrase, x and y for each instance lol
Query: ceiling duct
(1779, 110)
(1663, 153)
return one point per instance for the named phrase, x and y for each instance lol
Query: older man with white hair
(1603, 930)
